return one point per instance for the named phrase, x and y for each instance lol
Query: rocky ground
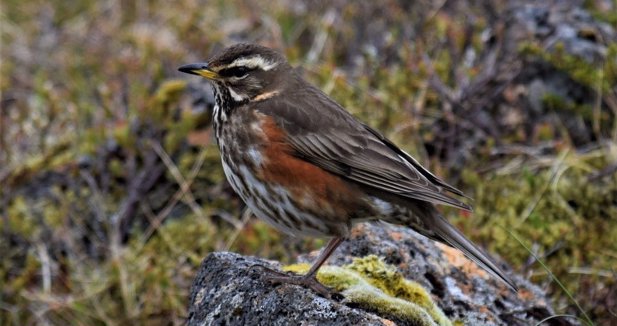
(227, 291)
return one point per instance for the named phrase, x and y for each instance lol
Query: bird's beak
(199, 69)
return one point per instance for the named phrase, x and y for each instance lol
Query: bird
(305, 165)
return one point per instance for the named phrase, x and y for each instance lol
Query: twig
(246, 215)
(591, 271)
(536, 200)
(164, 213)
(123, 218)
(45, 267)
(189, 199)
(321, 37)
(553, 277)
(609, 170)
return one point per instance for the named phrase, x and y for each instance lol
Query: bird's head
(247, 71)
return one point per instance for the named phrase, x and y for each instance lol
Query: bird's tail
(444, 231)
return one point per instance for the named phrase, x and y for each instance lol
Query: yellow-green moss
(592, 75)
(371, 284)
(19, 218)
(158, 107)
(599, 11)
(55, 156)
(567, 216)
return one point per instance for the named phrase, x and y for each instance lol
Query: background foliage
(111, 187)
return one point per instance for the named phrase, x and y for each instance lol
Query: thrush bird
(305, 165)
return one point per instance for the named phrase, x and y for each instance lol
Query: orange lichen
(397, 236)
(526, 295)
(456, 258)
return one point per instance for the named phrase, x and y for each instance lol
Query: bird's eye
(238, 72)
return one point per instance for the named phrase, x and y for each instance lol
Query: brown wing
(323, 133)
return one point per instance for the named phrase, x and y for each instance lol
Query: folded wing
(335, 141)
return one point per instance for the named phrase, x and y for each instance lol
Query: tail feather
(453, 237)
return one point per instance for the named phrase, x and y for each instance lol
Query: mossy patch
(371, 284)
(588, 74)
(559, 206)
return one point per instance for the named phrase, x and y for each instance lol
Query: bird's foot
(307, 281)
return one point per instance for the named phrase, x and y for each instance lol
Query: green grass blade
(548, 270)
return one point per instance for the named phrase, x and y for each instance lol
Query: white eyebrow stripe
(253, 62)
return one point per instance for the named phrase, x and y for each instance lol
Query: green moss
(19, 218)
(558, 103)
(561, 211)
(123, 136)
(598, 11)
(593, 75)
(57, 155)
(373, 285)
(158, 107)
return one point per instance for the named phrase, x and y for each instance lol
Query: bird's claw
(310, 282)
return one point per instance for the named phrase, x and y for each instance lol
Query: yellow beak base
(199, 69)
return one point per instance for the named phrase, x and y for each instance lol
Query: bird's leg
(307, 280)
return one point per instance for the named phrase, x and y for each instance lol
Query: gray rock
(227, 292)
(555, 27)
(563, 23)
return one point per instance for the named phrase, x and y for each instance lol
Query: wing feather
(335, 141)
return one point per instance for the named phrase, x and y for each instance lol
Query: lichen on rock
(387, 275)
(373, 285)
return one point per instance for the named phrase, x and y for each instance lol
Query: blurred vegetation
(111, 187)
